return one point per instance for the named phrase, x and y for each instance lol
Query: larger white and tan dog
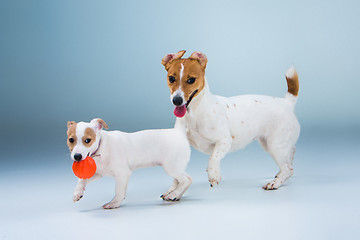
(217, 125)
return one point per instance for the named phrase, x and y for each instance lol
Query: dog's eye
(191, 80)
(171, 79)
(71, 140)
(88, 140)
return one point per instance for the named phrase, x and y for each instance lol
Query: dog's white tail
(292, 79)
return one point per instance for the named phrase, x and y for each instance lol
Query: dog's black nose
(177, 101)
(77, 156)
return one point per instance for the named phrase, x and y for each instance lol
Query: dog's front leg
(221, 148)
(81, 185)
(122, 180)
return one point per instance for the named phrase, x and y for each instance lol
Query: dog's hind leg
(263, 143)
(292, 156)
(283, 154)
(286, 170)
(122, 179)
(172, 188)
(184, 182)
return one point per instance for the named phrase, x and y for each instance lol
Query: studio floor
(321, 200)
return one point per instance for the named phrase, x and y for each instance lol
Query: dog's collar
(94, 153)
(191, 97)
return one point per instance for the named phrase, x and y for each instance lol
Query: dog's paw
(78, 194)
(111, 205)
(165, 195)
(214, 176)
(273, 185)
(172, 196)
(279, 179)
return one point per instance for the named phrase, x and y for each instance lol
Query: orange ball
(85, 168)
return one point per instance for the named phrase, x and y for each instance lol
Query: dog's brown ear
(69, 124)
(200, 57)
(170, 57)
(99, 123)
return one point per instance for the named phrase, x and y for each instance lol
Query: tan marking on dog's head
(192, 73)
(71, 133)
(89, 137)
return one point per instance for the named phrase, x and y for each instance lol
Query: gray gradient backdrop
(77, 60)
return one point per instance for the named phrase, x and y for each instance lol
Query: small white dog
(217, 125)
(118, 153)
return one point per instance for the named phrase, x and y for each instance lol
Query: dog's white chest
(197, 137)
(199, 142)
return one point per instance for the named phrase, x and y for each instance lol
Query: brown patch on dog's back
(71, 133)
(89, 134)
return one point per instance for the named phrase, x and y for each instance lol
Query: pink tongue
(180, 111)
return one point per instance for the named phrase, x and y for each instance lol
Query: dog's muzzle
(191, 97)
(77, 157)
(177, 100)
